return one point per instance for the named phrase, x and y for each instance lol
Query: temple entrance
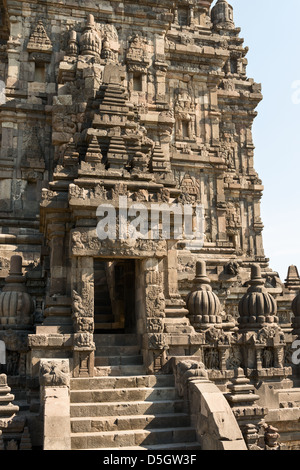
(114, 296)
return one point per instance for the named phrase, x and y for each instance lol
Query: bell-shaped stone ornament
(202, 303)
(257, 307)
(16, 305)
(91, 41)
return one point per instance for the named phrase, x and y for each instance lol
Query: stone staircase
(104, 318)
(125, 409)
(118, 355)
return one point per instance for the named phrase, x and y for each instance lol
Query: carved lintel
(86, 243)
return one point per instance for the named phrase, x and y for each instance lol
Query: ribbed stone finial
(201, 276)
(203, 305)
(256, 277)
(256, 272)
(90, 22)
(293, 280)
(257, 307)
(16, 305)
(15, 265)
(91, 42)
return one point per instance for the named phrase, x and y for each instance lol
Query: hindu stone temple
(163, 341)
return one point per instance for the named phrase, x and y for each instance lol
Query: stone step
(102, 301)
(122, 395)
(127, 409)
(118, 360)
(101, 383)
(129, 423)
(22, 404)
(19, 394)
(115, 340)
(101, 290)
(133, 438)
(108, 326)
(104, 308)
(104, 318)
(101, 282)
(118, 350)
(115, 371)
(102, 293)
(187, 446)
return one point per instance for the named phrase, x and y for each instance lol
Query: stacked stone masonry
(148, 102)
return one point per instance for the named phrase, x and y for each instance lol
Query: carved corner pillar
(157, 346)
(213, 116)
(83, 355)
(258, 228)
(221, 210)
(155, 342)
(83, 317)
(171, 262)
(57, 310)
(56, 233)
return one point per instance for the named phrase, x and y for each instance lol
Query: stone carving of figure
(212, 359)
(268, 358)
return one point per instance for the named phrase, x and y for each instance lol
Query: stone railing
(55, 400)
(211, 415)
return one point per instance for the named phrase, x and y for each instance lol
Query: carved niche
(137, 57)
(233, 217)
(185, 115)
(39, 40)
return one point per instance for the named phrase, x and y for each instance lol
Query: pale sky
(271, 31)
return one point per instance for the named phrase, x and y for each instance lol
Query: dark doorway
(114, 296)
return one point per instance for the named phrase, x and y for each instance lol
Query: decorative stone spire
(90, 43)
(222, 15)
(257, 308)
(117, 156)
(94, 154)
(7, 409)
(71, 156)
(249, 415)
(203, 305)
(73, 45)
(158, 161)
(293, 280)
(16, 305)
(242, 394)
